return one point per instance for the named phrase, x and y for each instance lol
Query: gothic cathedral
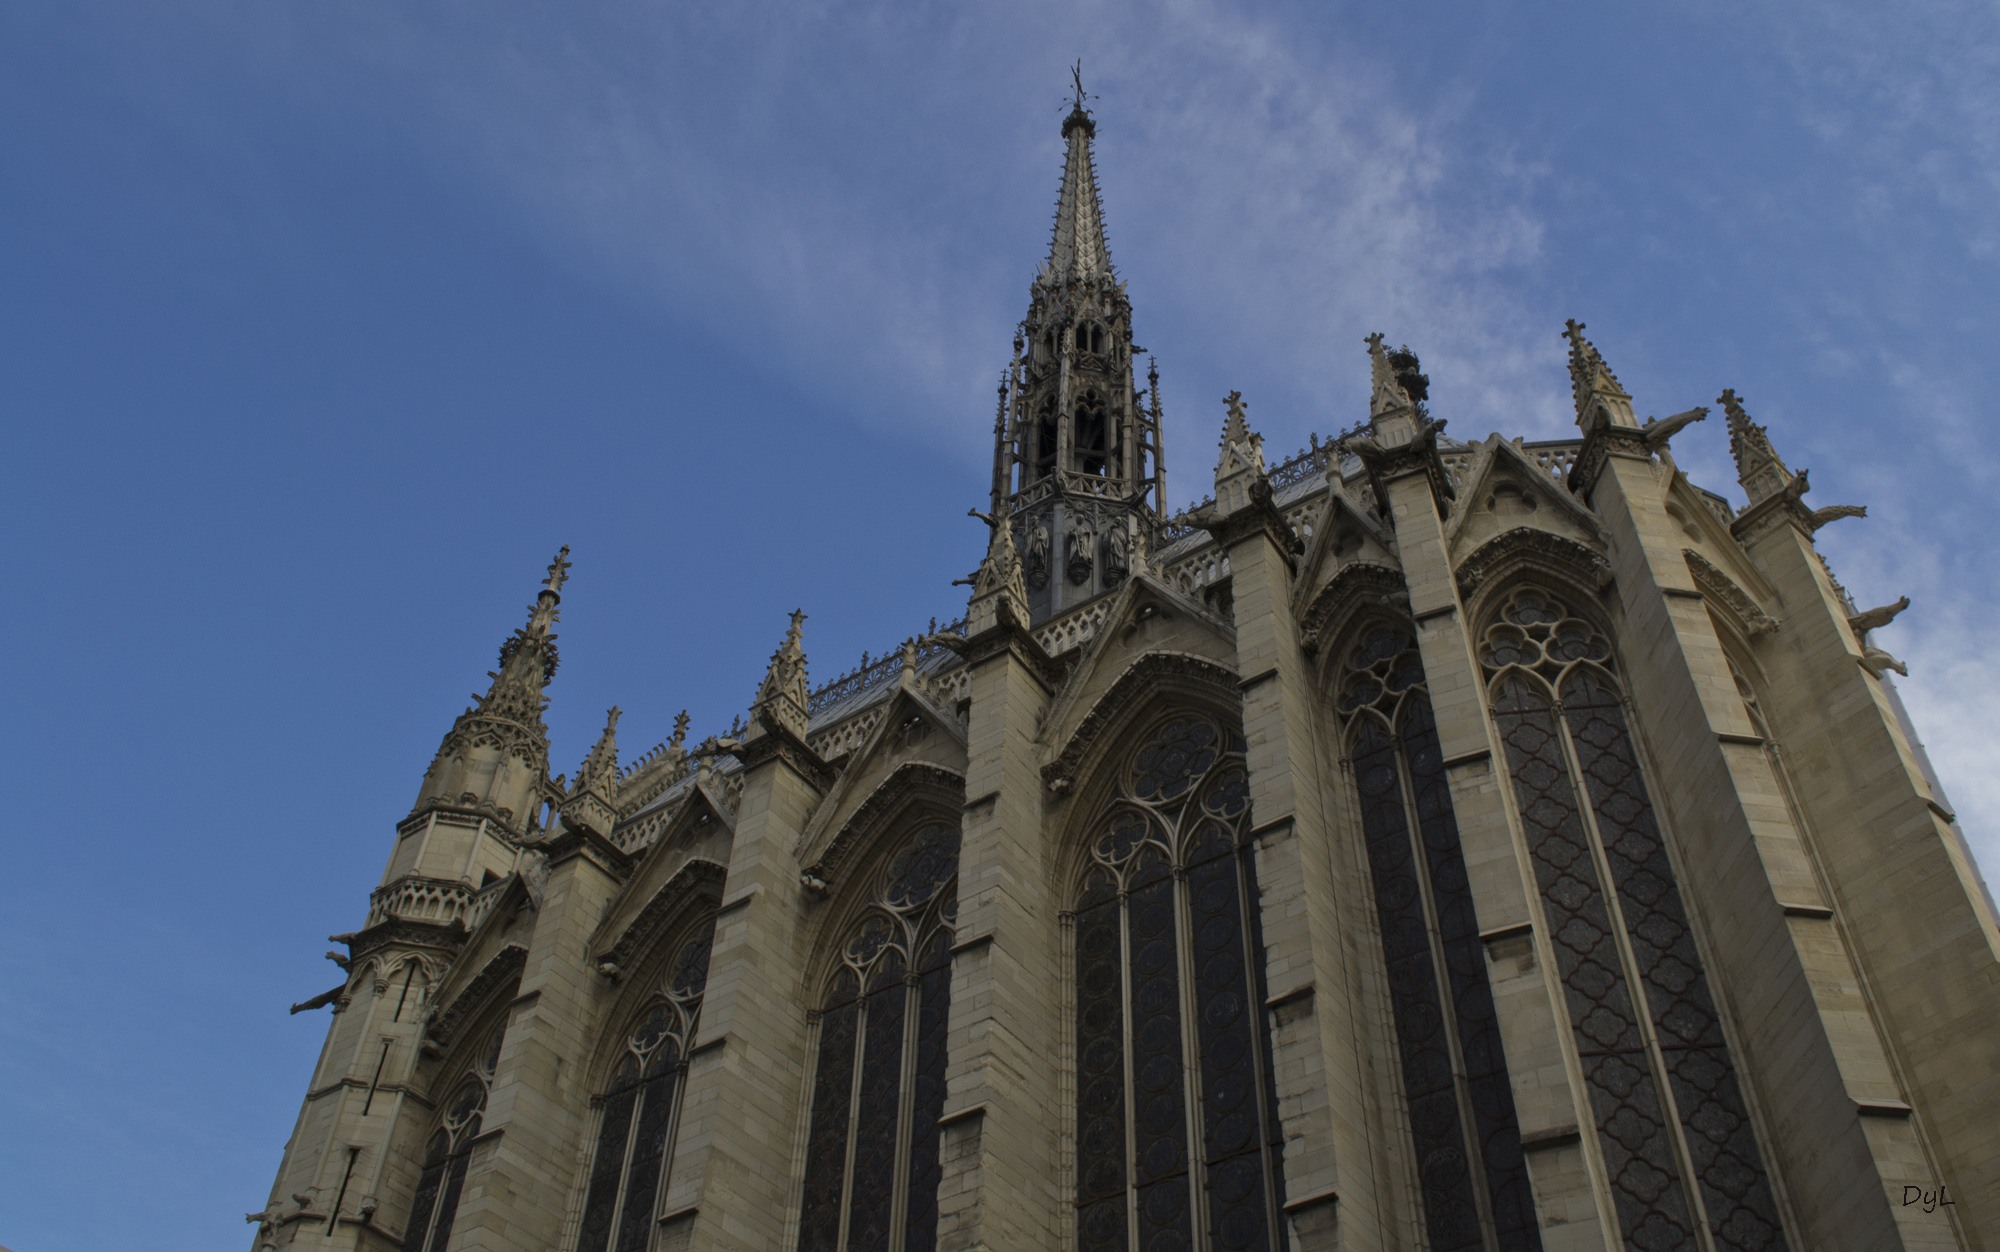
(1419, 844)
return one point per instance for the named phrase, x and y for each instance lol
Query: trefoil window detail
(641, 1111)
(448, 1154)
(1662, 1084)
(1178, 1143)
(1470, 1169)
(872, 1167)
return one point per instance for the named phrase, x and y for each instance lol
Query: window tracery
(1178, 1141)
(1663, 1085)
(435, 1207)
(872, 1168)
(641, 1111)
(1459, 1105)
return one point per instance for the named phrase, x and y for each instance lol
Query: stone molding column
(1321, 1015)
(1906, 907)
(731, 1185)
(1550, 1102)
(524, 1164)
(1801, 1037)
(1003, 1105)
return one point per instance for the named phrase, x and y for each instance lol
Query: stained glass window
(872, 1168)
(1460, 1108)
(641, 1111)
(449, 1152)
(1178, 1142)
(1662, 1083)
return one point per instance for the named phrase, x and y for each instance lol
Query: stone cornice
(1261, 516)
(1137, 683)
(908, 780)
(1529, 546)
(1418, 456)
(1600, 443)
(445, 938)
(780, 743)
(572, 841)
(1010, 635)
(1774, 511)
(503, 969)
(1755, 621)
(698, 879)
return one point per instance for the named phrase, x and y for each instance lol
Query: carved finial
(680, 729)
(1759, 468)
(599, 772)
(910, 657)
(1595, 391)
(783, 696)
(558, 572)
(1076, 76)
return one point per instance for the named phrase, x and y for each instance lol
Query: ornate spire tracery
(1076, 450)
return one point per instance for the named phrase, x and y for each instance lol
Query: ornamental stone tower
(1420, 844)
(1077, 469)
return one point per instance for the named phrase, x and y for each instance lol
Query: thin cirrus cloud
(864, 187)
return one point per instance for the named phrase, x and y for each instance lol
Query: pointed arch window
(1093, 431)
(872, 1167)
(1459, 1104)
(641, 1111)
(1178, 1142)
(1672, 1122)
(1045, 440)
(449, 1152)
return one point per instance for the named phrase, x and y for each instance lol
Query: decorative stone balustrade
(414, 899)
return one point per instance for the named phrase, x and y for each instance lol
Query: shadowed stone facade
(1420, 844)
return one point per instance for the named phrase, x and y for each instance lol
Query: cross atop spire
(1077, 247)
(558, 572)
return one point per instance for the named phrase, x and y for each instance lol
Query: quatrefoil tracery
(1537, 633)
(1185, 797)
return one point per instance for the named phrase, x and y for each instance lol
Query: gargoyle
(1879, 616)
(1834, 512)
(1658, 430)
(1875, 660)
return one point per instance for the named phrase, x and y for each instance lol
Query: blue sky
(321, 326)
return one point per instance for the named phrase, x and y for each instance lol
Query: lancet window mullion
(1674, 1130)
(871, 1151)
(435, 1207)
(1471, 1177)
(1175, 1115)
(640, 1115)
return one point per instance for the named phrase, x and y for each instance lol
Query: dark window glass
(1536, 647)
(1460, 1108)
(878, 1084)
(642, 1110)
(449, 1153)
(1169, 969)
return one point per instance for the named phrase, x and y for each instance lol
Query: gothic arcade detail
(1661, 1079)
(450, 1152)
(872, 1165)
(1458, 1105)
(1178, 1139)
(641, 1111)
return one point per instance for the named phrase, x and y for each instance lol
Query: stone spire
(783, 697)
(1077, 248)
(1758, 466)
(599, 772)
(1076, 462)
(1599, 398)
(496, 755)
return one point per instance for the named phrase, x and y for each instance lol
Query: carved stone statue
(1079, 551)
(1038, 556)
(1117, 556)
